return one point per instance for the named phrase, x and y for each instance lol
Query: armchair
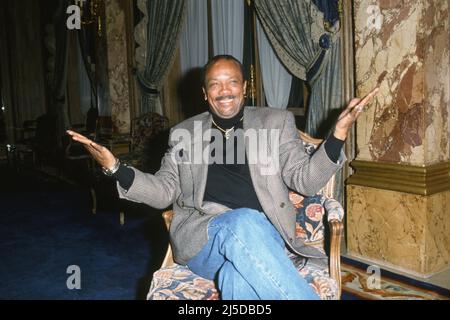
(316, 217)
(26, 145)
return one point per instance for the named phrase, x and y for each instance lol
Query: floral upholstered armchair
(177, 282)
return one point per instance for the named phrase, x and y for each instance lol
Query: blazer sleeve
(159, 190)
(301, 172)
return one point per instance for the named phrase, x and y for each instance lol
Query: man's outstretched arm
(158, 190)
(307, 174)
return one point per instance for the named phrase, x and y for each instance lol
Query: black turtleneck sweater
(230, 184)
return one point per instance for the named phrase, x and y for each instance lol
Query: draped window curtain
(58, 79)
(86, 72)
(276, 79)
(85, 89)
(297, 33)
(228, 27)
(165, 21)
(194, 38)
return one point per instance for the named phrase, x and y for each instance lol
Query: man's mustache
(220, 98)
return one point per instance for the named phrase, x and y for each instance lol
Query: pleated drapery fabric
(276, 79)
(228, 27)
(194, 38)
(58, 78)
(297, 33)
(165, 21)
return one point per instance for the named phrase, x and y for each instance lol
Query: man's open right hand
(101, 154)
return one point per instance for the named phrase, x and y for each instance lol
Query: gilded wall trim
(348, 83)
(426, 180)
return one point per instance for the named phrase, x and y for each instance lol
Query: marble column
(399, 198)
(119, 83)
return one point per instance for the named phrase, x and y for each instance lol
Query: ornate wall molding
(425, 181)
(348, 81)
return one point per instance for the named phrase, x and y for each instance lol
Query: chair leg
(122, 218)
(94, 201)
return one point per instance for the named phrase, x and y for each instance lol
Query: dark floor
(46, 225)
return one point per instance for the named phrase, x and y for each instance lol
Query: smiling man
(231, 223)
(224, 86)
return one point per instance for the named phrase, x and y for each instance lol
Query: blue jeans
(246, 257)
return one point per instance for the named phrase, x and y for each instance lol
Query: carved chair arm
(168, 259)
(335, 216)
(336, 228)
(167, 216)
(334, 209)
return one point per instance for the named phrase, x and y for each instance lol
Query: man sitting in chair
(232, 215)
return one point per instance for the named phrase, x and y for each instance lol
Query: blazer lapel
(252, 122)
(200, 167)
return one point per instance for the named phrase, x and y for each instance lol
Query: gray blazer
(182, 184)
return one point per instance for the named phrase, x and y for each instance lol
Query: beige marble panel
(402, 46)
(437, 232)
(119, 95)
(406, 231)
(435, 35)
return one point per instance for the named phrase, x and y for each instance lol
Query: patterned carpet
(359, 283)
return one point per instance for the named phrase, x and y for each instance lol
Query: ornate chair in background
(143, 130)
(319, 223)
(130, 150)
(26, 145)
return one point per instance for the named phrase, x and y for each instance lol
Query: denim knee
(238, 217)
(245, 221)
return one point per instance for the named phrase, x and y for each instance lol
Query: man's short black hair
(215, 59)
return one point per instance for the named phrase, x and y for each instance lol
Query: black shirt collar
(227, 123)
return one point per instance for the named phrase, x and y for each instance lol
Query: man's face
(224, 88)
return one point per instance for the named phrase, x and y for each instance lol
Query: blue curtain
(165, 21)
(310, 51)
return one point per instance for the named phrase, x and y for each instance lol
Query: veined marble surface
(406, 230)
(403, 46)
